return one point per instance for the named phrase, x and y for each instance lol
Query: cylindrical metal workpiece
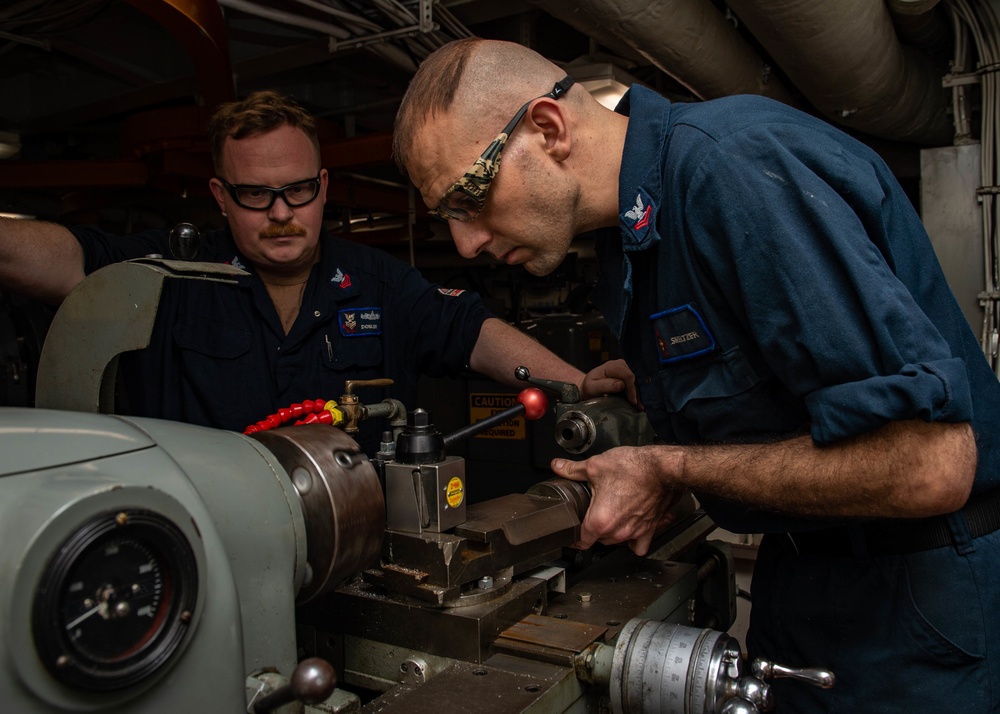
(662, 668)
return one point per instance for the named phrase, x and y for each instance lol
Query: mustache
(277, 230)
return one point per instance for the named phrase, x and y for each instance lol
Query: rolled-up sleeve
(804, 243)
(938, 391)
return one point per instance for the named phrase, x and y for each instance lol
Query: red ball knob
(535, 402)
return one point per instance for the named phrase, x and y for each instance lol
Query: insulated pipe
(846, 59)
(911, 7)
(688, 39)
(929, 30)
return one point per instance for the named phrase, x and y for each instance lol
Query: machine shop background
(104, 105)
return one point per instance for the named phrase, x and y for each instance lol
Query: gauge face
(115, 600)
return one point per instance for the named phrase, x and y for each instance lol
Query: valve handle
(350, 384)
(822, 678)
(568, 392)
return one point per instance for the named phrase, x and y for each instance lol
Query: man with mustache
(313, 311)
(796, 347)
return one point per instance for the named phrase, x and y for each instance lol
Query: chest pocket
(214, 364)
(212, 338)
(342, 354)
(712, 377)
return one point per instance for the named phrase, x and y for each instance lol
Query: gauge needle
(83, 617)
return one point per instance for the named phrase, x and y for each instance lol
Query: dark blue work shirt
(219, 357)
(771, 279)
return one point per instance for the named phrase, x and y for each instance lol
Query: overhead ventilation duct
(923, 24)
(846, 59)
(843, 56)
(688, 39)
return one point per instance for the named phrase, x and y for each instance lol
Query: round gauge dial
(115, 600)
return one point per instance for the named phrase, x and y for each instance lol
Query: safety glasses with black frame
(261, 198)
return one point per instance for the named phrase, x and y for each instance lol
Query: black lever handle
(183, 241)
(568, 392)
(531, 402)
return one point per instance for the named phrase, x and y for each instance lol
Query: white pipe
(287, 18)
(389, 52)
(341, 14)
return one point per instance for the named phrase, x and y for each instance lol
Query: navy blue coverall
(770, 279)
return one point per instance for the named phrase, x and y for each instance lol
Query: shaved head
(481, 82)
(560, 162)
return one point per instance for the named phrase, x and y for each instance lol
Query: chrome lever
(822, 678)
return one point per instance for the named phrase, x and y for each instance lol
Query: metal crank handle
(312, 682)
(568, 392)
(822, 678)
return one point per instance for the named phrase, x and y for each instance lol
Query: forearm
(501, 348)
(906, 469)
(40, 260)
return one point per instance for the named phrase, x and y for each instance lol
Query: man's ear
(219, 191)
(324, 182)
(548, 117)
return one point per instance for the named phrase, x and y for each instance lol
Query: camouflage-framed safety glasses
(467, 196)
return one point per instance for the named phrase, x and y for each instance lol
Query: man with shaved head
(795, 345)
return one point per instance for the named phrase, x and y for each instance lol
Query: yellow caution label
(485, 405)
(455, 492)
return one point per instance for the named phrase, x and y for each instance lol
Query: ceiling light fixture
(605, 81)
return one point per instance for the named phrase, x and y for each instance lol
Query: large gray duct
(688, 39)
(922, 24)
(843, 56)
(846, 58)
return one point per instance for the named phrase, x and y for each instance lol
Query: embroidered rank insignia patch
(639, 220)
(360, 321)
(341, 278)
(450, 292)
(680, 334)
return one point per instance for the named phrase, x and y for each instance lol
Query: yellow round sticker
(455, 492)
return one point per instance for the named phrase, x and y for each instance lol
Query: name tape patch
(680, 334)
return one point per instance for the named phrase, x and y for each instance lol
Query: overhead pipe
(846, 59)
(924, 24)
(843, 56)
(687, 39)
(390, 53)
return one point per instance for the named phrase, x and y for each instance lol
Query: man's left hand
(609, 378)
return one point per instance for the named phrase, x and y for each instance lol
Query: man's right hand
(630, 500)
